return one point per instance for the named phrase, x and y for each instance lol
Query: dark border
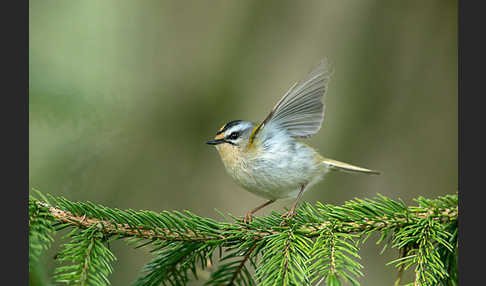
(14, 138)
(471, 66)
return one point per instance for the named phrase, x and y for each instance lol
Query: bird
(270, 159)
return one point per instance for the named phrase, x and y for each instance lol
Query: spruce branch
(402, 253)
(241, 265)
(235, 272)
(320, 244)
(312, 229)
(90, 259)
(174, 262)
(284, 260)
(40, 232)
(334, 255)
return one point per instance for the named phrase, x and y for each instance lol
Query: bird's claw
(287, 215)
(248, 217)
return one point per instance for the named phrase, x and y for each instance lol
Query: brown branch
(286, 258)
(402, 253)
(445, 215)
(240, 267)
(333, 255)
(311, 230)
(110, 228)
(84, 272)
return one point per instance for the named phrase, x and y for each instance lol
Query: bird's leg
(291, 212)
(249, 214)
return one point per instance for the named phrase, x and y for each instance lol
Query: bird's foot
(248, 217)
(287, 215)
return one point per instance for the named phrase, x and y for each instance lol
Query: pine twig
(402, 253)
(320, 244)
(242, 264)
(311, 230)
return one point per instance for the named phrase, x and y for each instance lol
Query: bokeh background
(124, 94)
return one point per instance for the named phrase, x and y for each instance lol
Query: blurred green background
(124, 94)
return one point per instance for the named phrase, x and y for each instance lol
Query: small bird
(269, 159)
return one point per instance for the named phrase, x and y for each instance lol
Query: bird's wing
(301, 111)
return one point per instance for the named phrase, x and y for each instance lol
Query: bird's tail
(341, 166)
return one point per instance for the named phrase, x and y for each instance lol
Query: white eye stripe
(238, 128)
(231, 131)
(242, 129)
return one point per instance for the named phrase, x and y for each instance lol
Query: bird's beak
(215, 142)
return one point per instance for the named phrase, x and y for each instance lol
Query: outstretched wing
(301, 111)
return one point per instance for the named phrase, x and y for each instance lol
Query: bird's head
(231, 139)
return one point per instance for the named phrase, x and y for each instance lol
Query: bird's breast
(272, 173)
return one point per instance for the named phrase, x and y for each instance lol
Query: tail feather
(341, 166)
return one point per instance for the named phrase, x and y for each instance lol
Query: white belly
(280, 172)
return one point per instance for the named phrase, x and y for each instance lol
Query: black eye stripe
(228, 125)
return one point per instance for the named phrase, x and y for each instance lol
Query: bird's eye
(234, 135)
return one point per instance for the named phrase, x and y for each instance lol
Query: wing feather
(301, 111)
